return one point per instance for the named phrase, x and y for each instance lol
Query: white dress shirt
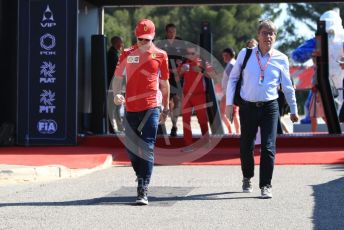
(276, 73)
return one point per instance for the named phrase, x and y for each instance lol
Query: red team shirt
(194, 81)
(143, 71)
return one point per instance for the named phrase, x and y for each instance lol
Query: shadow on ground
(159, 196)
(329, 203)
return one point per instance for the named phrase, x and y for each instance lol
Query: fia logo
(133, 59)
(47, 71)
(48, 42)
(47, 99)
(47, 126)
(48, 18)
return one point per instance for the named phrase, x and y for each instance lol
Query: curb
(20, 173)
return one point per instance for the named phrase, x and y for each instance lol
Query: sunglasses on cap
(143, 39)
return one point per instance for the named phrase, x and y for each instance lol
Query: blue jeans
(266, 117)
(140, 137)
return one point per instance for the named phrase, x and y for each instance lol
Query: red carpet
(71, 157)
(285, 156)
(291, 150)
(93, 150)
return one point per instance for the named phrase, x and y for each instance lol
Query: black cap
(229, 50)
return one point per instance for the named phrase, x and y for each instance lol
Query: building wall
(88, 26)
(8, 65)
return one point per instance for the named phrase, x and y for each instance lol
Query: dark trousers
(140, 137)
(252, 117)
(279, 126)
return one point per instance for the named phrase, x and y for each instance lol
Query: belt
(258, 103)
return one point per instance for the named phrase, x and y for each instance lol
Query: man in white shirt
(266, 69)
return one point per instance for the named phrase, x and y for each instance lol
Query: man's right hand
(229, 112)
(119, 99)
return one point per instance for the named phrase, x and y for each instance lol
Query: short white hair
(268, 24)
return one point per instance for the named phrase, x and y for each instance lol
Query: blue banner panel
(47, 73)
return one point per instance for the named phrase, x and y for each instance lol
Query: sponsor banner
(47, 75)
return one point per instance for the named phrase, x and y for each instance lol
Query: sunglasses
(143, 39)
(191, 53)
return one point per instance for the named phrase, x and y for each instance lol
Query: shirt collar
(269, 52)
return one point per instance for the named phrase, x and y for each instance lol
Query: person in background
(146, 69)
(266, 69)
(301, 55)
(307, 118)
(228, 55)
(341, 111)
(175, 51)
(283, 110)
(112, 59)
(251, 43)
(193, 72)
(316, 108)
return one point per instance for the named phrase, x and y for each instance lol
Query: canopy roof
(190, 2)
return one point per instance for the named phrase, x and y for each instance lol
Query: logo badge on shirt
(153, 55)
(133, 59)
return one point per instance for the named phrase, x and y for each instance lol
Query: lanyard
(262, 68)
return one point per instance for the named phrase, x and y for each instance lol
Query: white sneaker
(266, 192)
(142, 198)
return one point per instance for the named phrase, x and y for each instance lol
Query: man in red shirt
(147, 90)
(194, 91)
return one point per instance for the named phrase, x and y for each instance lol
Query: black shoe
(173, 132)
(142, 198)
(246, 185)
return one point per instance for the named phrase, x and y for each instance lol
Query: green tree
(308, 14)
(122, 21)
(231, 25)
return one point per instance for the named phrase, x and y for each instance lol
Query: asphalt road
(181, 197)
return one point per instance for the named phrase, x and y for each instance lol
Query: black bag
(237, 98)
(6, 134)
(282, 103)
